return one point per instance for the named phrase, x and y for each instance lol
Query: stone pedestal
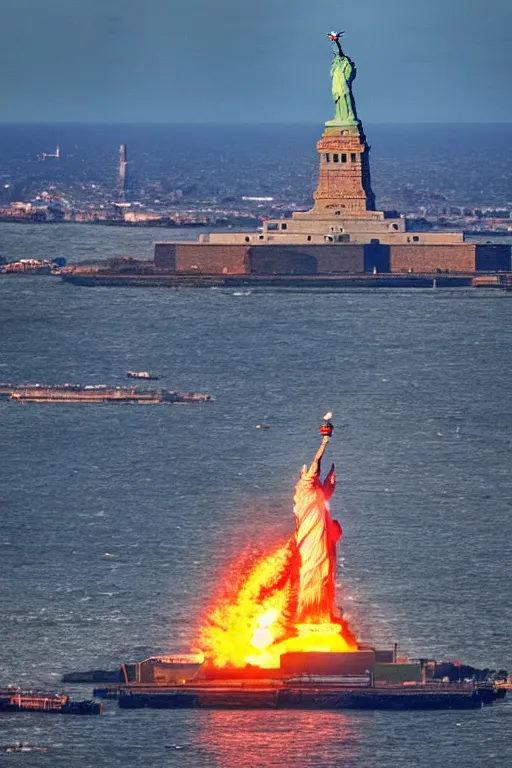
(344, 185)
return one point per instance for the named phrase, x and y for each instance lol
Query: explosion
(243, 625)
(256, 622)
(286, 601)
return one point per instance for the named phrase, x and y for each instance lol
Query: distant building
(55, 154)
(123, 162)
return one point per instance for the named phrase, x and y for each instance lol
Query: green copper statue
(343, 72)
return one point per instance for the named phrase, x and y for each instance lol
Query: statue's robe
(316, 536)
(343, 73)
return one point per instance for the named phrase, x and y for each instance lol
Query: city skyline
(104, 62)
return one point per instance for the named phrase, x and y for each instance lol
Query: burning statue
(286, 601)
(316, 537)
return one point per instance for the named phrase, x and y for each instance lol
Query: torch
(327, 428)
(334, 37)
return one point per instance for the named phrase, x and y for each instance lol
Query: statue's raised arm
(315, 464)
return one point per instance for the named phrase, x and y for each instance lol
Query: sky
(252, 61)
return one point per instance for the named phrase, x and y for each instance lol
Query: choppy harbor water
(119, 522)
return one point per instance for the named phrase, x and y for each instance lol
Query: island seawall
(340, 265)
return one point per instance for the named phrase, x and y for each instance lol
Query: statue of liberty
(286, 601)
(316, 537)
(343, 72)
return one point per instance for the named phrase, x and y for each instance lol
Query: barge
(100, 393)
(17, 700)
(368, 678)
(308, 695)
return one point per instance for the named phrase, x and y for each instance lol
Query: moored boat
(146, 375)
(16, 700)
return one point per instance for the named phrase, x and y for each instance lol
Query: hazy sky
(260, 61)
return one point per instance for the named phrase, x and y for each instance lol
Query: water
(84, 243)
(419, 383)
(411, 164)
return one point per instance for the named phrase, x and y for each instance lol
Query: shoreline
(252, 223)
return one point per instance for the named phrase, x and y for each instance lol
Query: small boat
(262, 426)
(142, 375)
(21, 747)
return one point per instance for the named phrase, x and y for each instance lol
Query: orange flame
(249, 621)
(286, 601)
(255, 625)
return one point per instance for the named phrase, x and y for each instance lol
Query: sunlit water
(419, 383)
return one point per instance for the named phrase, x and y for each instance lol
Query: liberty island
(343, 220)
(342, 239)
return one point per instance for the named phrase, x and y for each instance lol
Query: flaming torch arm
(334, 37)
(315, 465)
(326, 431)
